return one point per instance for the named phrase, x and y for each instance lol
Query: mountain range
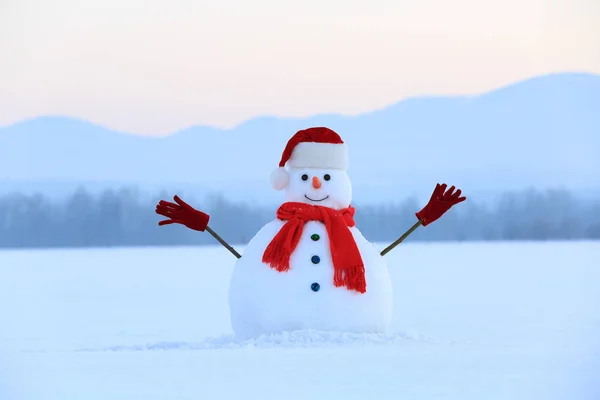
(539, 132)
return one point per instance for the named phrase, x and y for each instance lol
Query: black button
(315, 259)
(315, 287)
(315, 237)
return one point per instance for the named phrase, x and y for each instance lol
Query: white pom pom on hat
(317, 147)
(280, 178)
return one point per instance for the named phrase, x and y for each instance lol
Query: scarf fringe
(353, 277)
(276, 258)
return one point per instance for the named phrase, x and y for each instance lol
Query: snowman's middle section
(263, 300)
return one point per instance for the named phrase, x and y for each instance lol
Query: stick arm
(223, 242)
(401, 238)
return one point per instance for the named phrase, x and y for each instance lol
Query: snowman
(311, 267)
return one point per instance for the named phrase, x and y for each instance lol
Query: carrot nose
(316, 182)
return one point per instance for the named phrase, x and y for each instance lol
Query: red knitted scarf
(348, 265)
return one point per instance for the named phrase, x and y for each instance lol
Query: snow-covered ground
(472, 321)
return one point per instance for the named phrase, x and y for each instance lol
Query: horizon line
(494, 89)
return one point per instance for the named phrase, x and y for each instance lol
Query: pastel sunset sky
(152, 67)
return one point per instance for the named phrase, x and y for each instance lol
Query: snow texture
(471, 321)
(290, 339)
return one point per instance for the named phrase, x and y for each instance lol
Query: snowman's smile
(324, 198)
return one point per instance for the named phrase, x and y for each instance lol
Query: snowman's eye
(304, 177)
(327, 177)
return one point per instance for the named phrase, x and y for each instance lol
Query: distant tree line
(123, 217)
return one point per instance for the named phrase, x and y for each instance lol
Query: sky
(153, 67)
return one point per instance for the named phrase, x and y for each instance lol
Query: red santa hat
(317, 147)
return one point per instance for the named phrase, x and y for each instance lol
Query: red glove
(182, 213)
(439, 203)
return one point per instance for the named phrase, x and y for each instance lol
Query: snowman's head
(324, 187)
(316, 161)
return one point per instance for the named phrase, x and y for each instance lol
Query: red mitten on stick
(439, 203)
(182, 213)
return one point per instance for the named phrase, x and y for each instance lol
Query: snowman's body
(263, 300)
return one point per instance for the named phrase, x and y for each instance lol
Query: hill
(539, 132)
